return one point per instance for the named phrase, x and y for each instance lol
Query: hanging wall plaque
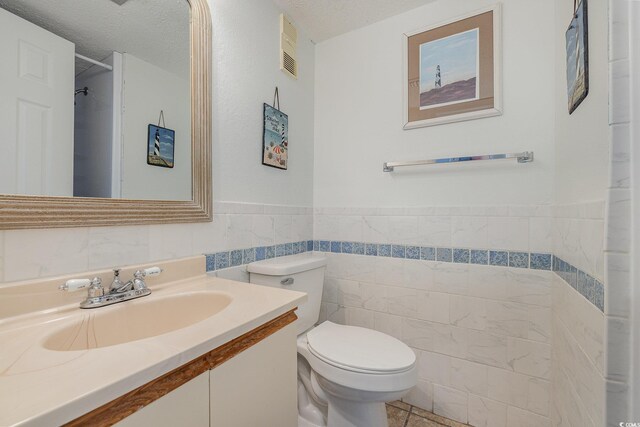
(578, 57)
(275, 135)
(160, 144)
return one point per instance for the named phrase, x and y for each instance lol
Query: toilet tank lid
(283, 266)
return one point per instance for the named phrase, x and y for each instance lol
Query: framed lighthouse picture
(275, 138)
(453, 70)
(160, 146)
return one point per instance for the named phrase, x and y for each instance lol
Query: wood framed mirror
(23, 211)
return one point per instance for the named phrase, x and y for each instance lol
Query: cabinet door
(258, 387)
(186, 406)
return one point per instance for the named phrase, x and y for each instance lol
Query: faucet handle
(147, 272)
(75, 285)
(139, 275)
(152, 271)
(94, 285)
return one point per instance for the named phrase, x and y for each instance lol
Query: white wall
(93, 136)
(464, 321)
(582, 149)
(246, 72)
(147, 90)
(359, 117)
(579, 360)
(482, 333)
(246, 33)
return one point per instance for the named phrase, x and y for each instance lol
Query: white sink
(138, 319)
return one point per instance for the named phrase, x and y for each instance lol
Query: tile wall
(591, 349)
(618, 225)
(578, 343)
(29, 254)
(475, 305)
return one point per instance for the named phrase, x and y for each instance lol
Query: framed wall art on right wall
(578, 57)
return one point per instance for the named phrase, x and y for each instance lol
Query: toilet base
(346, 413)
(302, 422)
(360, 415)
(319, 409)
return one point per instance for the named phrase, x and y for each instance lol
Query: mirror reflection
(95, 98)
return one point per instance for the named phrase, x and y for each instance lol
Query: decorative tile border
(516, 259)
(237, 257)
(234, 258)
(586, 285)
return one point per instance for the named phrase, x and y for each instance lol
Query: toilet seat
(359, 349)
(397, 376)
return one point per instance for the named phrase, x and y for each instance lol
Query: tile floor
(402, 414)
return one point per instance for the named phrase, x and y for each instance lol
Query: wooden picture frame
(453, 70)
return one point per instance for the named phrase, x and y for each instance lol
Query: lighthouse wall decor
(578, 56)
(160, 144)
(275, 136)
(453, 70)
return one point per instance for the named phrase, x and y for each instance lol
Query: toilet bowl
(345, 373)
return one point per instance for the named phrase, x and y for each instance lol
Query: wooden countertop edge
(120, 408)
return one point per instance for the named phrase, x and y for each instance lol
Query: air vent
(289, 64)
(288, 42)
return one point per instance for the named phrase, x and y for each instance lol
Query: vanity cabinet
(186, 406)
(257, 387)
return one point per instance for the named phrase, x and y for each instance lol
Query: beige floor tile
(396, 416)
(416, 421)
(401, 405)
(436, 418)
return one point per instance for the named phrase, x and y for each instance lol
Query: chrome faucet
(97, 296)
(116, 284)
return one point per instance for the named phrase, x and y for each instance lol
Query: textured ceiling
(156, 31)
(323, 19)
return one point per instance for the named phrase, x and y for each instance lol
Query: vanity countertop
(41, 387)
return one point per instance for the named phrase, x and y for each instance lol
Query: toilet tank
(303, 273)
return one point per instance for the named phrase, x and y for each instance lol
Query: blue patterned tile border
(237, 257)
(499, 258)
(586, 285)
(516, 259)
(427, 254)
(413, 252)
(444, 254)
(519, 259)
(479, 257)
(398, 251)
(461, 256)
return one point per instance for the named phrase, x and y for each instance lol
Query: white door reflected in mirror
(88, 79)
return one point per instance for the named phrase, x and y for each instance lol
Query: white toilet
(345, 373)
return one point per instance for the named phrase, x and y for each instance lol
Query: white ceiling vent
(288, 42)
